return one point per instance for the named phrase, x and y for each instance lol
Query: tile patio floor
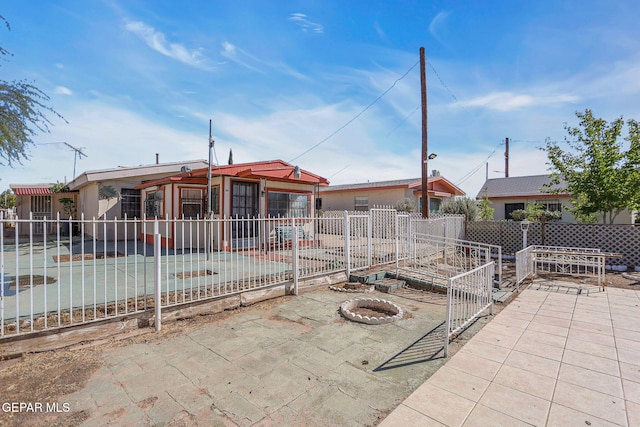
(549, 358)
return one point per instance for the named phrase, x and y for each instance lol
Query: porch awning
(31, 191)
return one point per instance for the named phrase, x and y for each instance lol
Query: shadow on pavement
(428, 347)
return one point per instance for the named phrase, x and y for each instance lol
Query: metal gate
(357, 242)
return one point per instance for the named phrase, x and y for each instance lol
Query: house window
(510, 207)
(153, 204)
(434, 204)
(215, 200)
(361, 203)
(551, 205)
(191, 199)
(288, 205)
(130, 203)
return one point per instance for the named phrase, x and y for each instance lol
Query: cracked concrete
(289, 362)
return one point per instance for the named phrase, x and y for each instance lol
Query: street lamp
(524, 225)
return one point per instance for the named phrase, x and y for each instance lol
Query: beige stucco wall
(92, 206)
(498, 205)
(345, 200)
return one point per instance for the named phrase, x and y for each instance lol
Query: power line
(331, 176)
(442, 82)
(418, 107)
(356, 116)
(477, 168)
(404, 120)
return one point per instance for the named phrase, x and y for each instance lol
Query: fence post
(296, 254)
(492, 271)
(157, 273)
(447, 326)
(369, 240)
(397, 226)
(347, 244)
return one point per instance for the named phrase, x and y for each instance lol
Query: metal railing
(443, 257)
(88, 270)
(524, 265)
(468, 295)
(587, 262)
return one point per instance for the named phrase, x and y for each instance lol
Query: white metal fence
(468, 295)
(586, 262)
(524, 265)
(443, 257)
(84, 272)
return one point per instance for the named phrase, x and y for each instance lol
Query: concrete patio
(549, 358)
(290, 361)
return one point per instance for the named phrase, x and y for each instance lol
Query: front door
(244, 207)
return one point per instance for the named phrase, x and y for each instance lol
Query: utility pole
(506, 158)
(425, 142)
(209, 209)
(78, 154)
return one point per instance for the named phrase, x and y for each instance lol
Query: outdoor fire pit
(372, 311)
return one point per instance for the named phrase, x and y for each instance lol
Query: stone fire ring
(372, 303)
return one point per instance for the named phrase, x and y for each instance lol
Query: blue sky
(134, 78)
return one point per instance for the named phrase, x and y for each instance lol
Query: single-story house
(512, 193)
(106, 193)
(364, 196)
(249, 190)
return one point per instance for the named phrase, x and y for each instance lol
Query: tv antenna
(78, 154)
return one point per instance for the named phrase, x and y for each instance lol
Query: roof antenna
(78, 154)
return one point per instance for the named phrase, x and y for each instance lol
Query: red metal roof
(31, 191)
(277, 170)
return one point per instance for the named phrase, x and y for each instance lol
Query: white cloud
(238, 56)
(437, 25)
(300, 19)
(157, 41)
(244, 58)
(110, 137)
(61, 90)
(383, 36)
(509, 101)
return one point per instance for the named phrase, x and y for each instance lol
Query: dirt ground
(48, 377)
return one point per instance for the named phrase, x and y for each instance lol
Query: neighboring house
(248, 190)
(512, 193)
(40, 202)
(364, 196)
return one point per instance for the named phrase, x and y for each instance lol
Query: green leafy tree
(461, 206)
(600, 175)
(7, 199)
(22, 115)
(486, 211)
